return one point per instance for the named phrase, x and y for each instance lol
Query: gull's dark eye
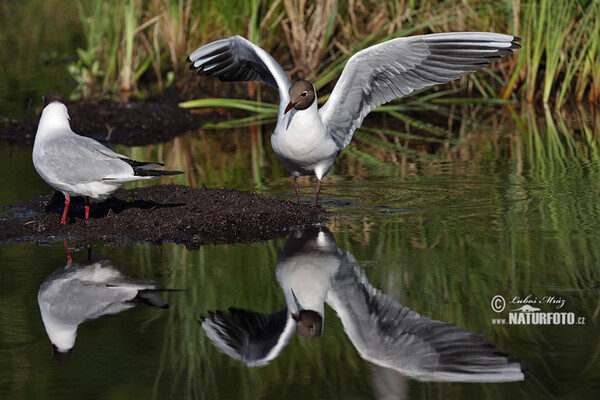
(304, 93)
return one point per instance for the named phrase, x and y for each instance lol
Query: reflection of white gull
(388, 384)
(527, 309)
(304, 270)
(390, 335)
(306, 138)
(312, 270)
(87, 290)
(78, 165)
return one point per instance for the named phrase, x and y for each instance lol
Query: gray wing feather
(390, 335)
(76, 159)
(237, 59)
(70, 297)
(251, 337)
(395, 68)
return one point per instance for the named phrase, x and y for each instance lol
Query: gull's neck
(305, 283)
(54, 121)
(61, 334)
(310, 112)
(300, 120)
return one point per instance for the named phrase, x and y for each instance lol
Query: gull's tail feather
(154, 172)
(141, 168)
(152, 298)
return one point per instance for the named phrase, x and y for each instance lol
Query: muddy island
(134, 123)
(161, 213)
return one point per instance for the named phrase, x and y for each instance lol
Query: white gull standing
(306, 138)
(80, 166)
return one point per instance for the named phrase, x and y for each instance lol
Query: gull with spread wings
(307, 138)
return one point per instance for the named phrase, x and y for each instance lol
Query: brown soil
(156, 214)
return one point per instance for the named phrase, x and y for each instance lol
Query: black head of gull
(80, 166)
(310, 323)
(62, 356)
(52, 96)
(307, 142)
(302, 95)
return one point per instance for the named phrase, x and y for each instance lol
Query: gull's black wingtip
(187, 59)
(170, 172)
(515, 43)
(154, 172)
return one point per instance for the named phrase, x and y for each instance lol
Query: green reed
(589, 74)
(33, 51)
(558, 61)
(136, 46)
(115, 57)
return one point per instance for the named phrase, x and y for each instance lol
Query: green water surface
(508, 206)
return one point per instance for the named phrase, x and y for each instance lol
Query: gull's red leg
(296, 187)
(69, 258)
(63, 221)
(87, 207)
(318, 190)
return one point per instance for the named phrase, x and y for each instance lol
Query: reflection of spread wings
(390, 335)
(251, 337)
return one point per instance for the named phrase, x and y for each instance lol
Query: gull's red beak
(289, 107)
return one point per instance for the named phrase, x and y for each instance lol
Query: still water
(469, 240)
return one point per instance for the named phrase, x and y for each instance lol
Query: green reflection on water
(442, 237)
(507, 205)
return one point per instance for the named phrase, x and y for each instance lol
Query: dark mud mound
(176, 213)
(132, 123)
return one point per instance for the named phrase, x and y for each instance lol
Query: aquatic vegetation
(140, 47)
(137, 42)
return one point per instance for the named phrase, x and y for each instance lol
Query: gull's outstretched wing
(399, 66)
(237, 59)
(251, 337)
(390, 335)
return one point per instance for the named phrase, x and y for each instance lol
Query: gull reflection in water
(312, 271)
(87, 290)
